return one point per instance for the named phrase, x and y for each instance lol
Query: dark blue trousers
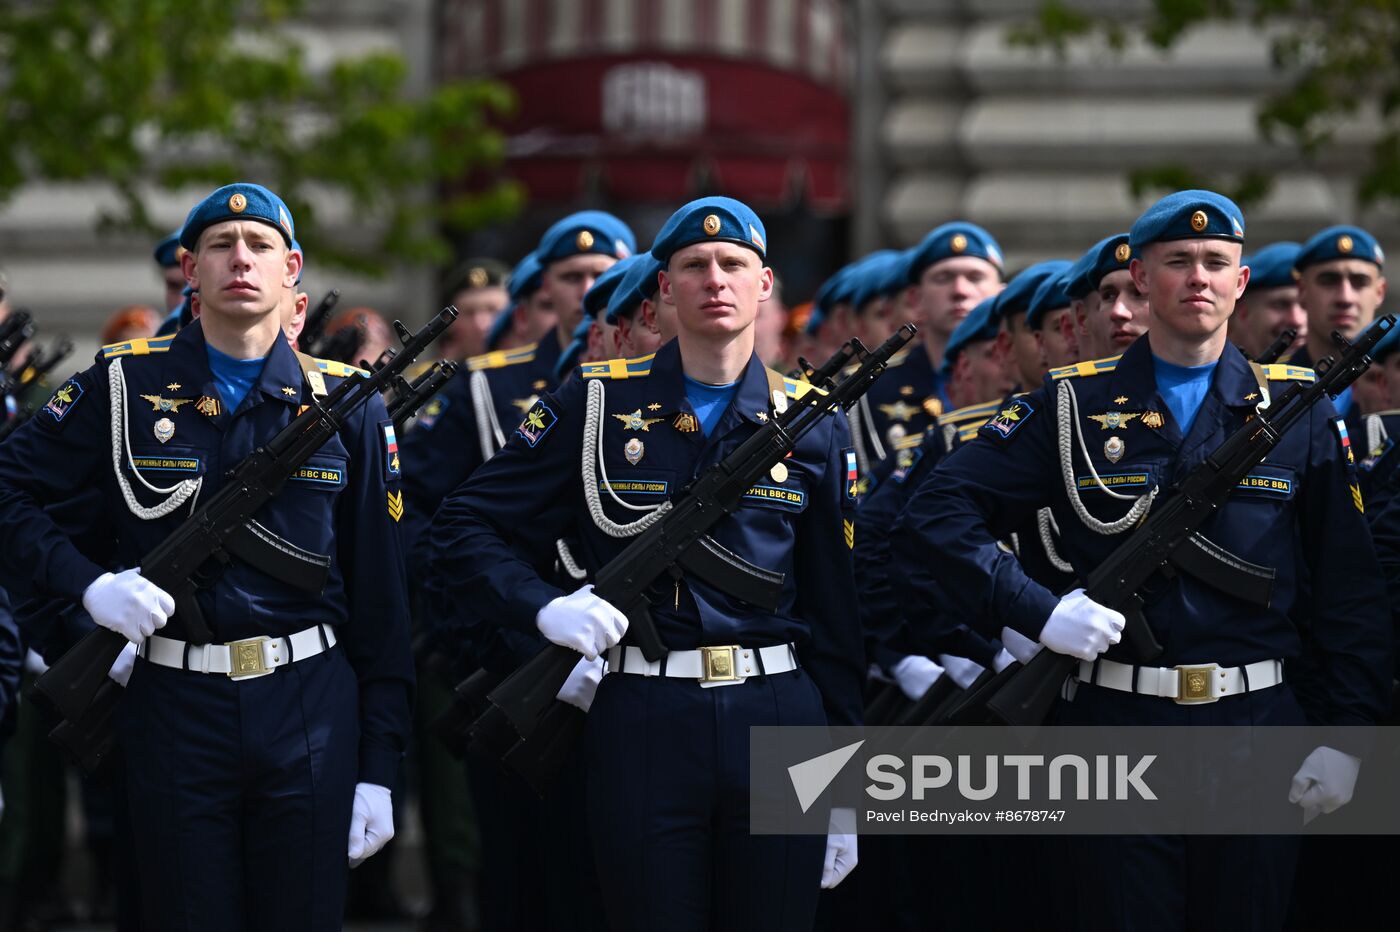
(668, 794)
(1145, 883)
(240, 794)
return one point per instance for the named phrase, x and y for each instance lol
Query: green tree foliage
(1340, 57)
(143, 94)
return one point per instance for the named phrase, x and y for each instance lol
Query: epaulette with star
(1085, 369)
(499, 358)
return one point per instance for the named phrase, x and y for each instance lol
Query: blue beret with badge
(1050, 296)
(838, 289)
(525, 278)
(711, 220)
(595, 299)
(570, 356)
(881, 273)
(241, 201)
(639, 284)
(167, 251)
(1340, 242)
(953, 241)
(1388, 345)
(1189, 214)
(981, 323)
(584, 233)
(1016, 297)
(1272, 266)
(1110, 254)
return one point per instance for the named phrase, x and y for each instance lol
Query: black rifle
(680, 542)
(828, 370)
(1169, 535)
(14, 330)
(39, 366)
(410, 396)
(224, 528)
(1278, 347)
(315, 326)
(342, 346)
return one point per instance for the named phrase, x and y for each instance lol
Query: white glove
(128, 604)
(1002, 660)
(583, 622)
(1018, 645)
(1325, 782)
(915, 675)
(1081, 627)
(35, 664)
(121, 667)
(371, 821)
(963, 671)
(582, 683)
(840, 847)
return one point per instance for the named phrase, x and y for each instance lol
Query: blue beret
(1188, 215)
(638, 284)
(583, 233)
(499, 326)
(708, 220)
(1016, 297)
(875, 276)
(165, 251)
(981, 323)
(524, 278)
(1340, 242)
(1050, 296)
(953, 241)
(296, 247)
(1110, 254)
(241, 201)
(569, 357)
(838, 289)
(595, 299)
(1272, 266)
(1388, 344)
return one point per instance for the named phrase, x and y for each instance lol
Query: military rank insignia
(849, 528)
(852, 483)
(396, 505)
(392, 467)
(1007, 421)
(538, 422)
(63, 400)
(1351, 464)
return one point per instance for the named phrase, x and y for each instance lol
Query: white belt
(1187, 684)
(712, 666)
(239, 660)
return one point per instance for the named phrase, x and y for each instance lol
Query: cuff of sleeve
(1029, 610)
(527, 601)
(378, 765)
(72, 574)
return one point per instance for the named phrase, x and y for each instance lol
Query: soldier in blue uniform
(1269, 304)
(1143, 420)
(167, 256)
(1017, 342)
(243, 788)
(641, 322)
(679, 855)
(1109, 312)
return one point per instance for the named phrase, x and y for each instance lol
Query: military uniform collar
(280, 372)
(1135, 377)
(752, 399)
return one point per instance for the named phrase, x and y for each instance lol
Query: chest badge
(635, 421)
(686, 423)
(164, 429)
(1113, 420)
(779, 472)
(289, 391)
(166, 405)
(896, 433)
(209, 407)
(634, 450)
(1113, 449)
(173, 387)
(1152, 419)
(899, 411)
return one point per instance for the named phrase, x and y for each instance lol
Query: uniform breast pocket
(1267, 482)
(321, 473)
(628, 492)
(1111, 493)
(166, 465)
(789, 495)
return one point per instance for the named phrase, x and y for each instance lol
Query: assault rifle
(410, 396)
(315, 327)
(1278, 347)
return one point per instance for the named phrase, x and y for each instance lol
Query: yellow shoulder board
(796, 388)
(978, 413)
(141, 347)
(969, 430)
(637, 368)
(1282, 372)
(1084, 369)
(910, 441)
(413, 372)
(339, 369)
(498, 358)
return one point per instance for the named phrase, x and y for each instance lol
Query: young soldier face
(716, 287)
(1262, 314)
(949, 289)
(536, 316)
(1192, 285)
(174, 278)
(1341, 295)
(477, 309)
(1056, 338)
(566, 281)
(242, 269)
(1112, 317)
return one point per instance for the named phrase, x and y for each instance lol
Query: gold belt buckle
(1195, 685)
(719, 664)
(246, 659)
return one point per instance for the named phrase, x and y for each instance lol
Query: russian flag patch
(852, 475)
(392, 469)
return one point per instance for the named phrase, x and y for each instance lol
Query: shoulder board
(1085, 369)
(910, 441)
(796, 388)
(978, 413)
(498, 358)
(1282, 372)
(413, 372)
(141, 347)
(638, 368)
(339, 369)
(969, 430)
